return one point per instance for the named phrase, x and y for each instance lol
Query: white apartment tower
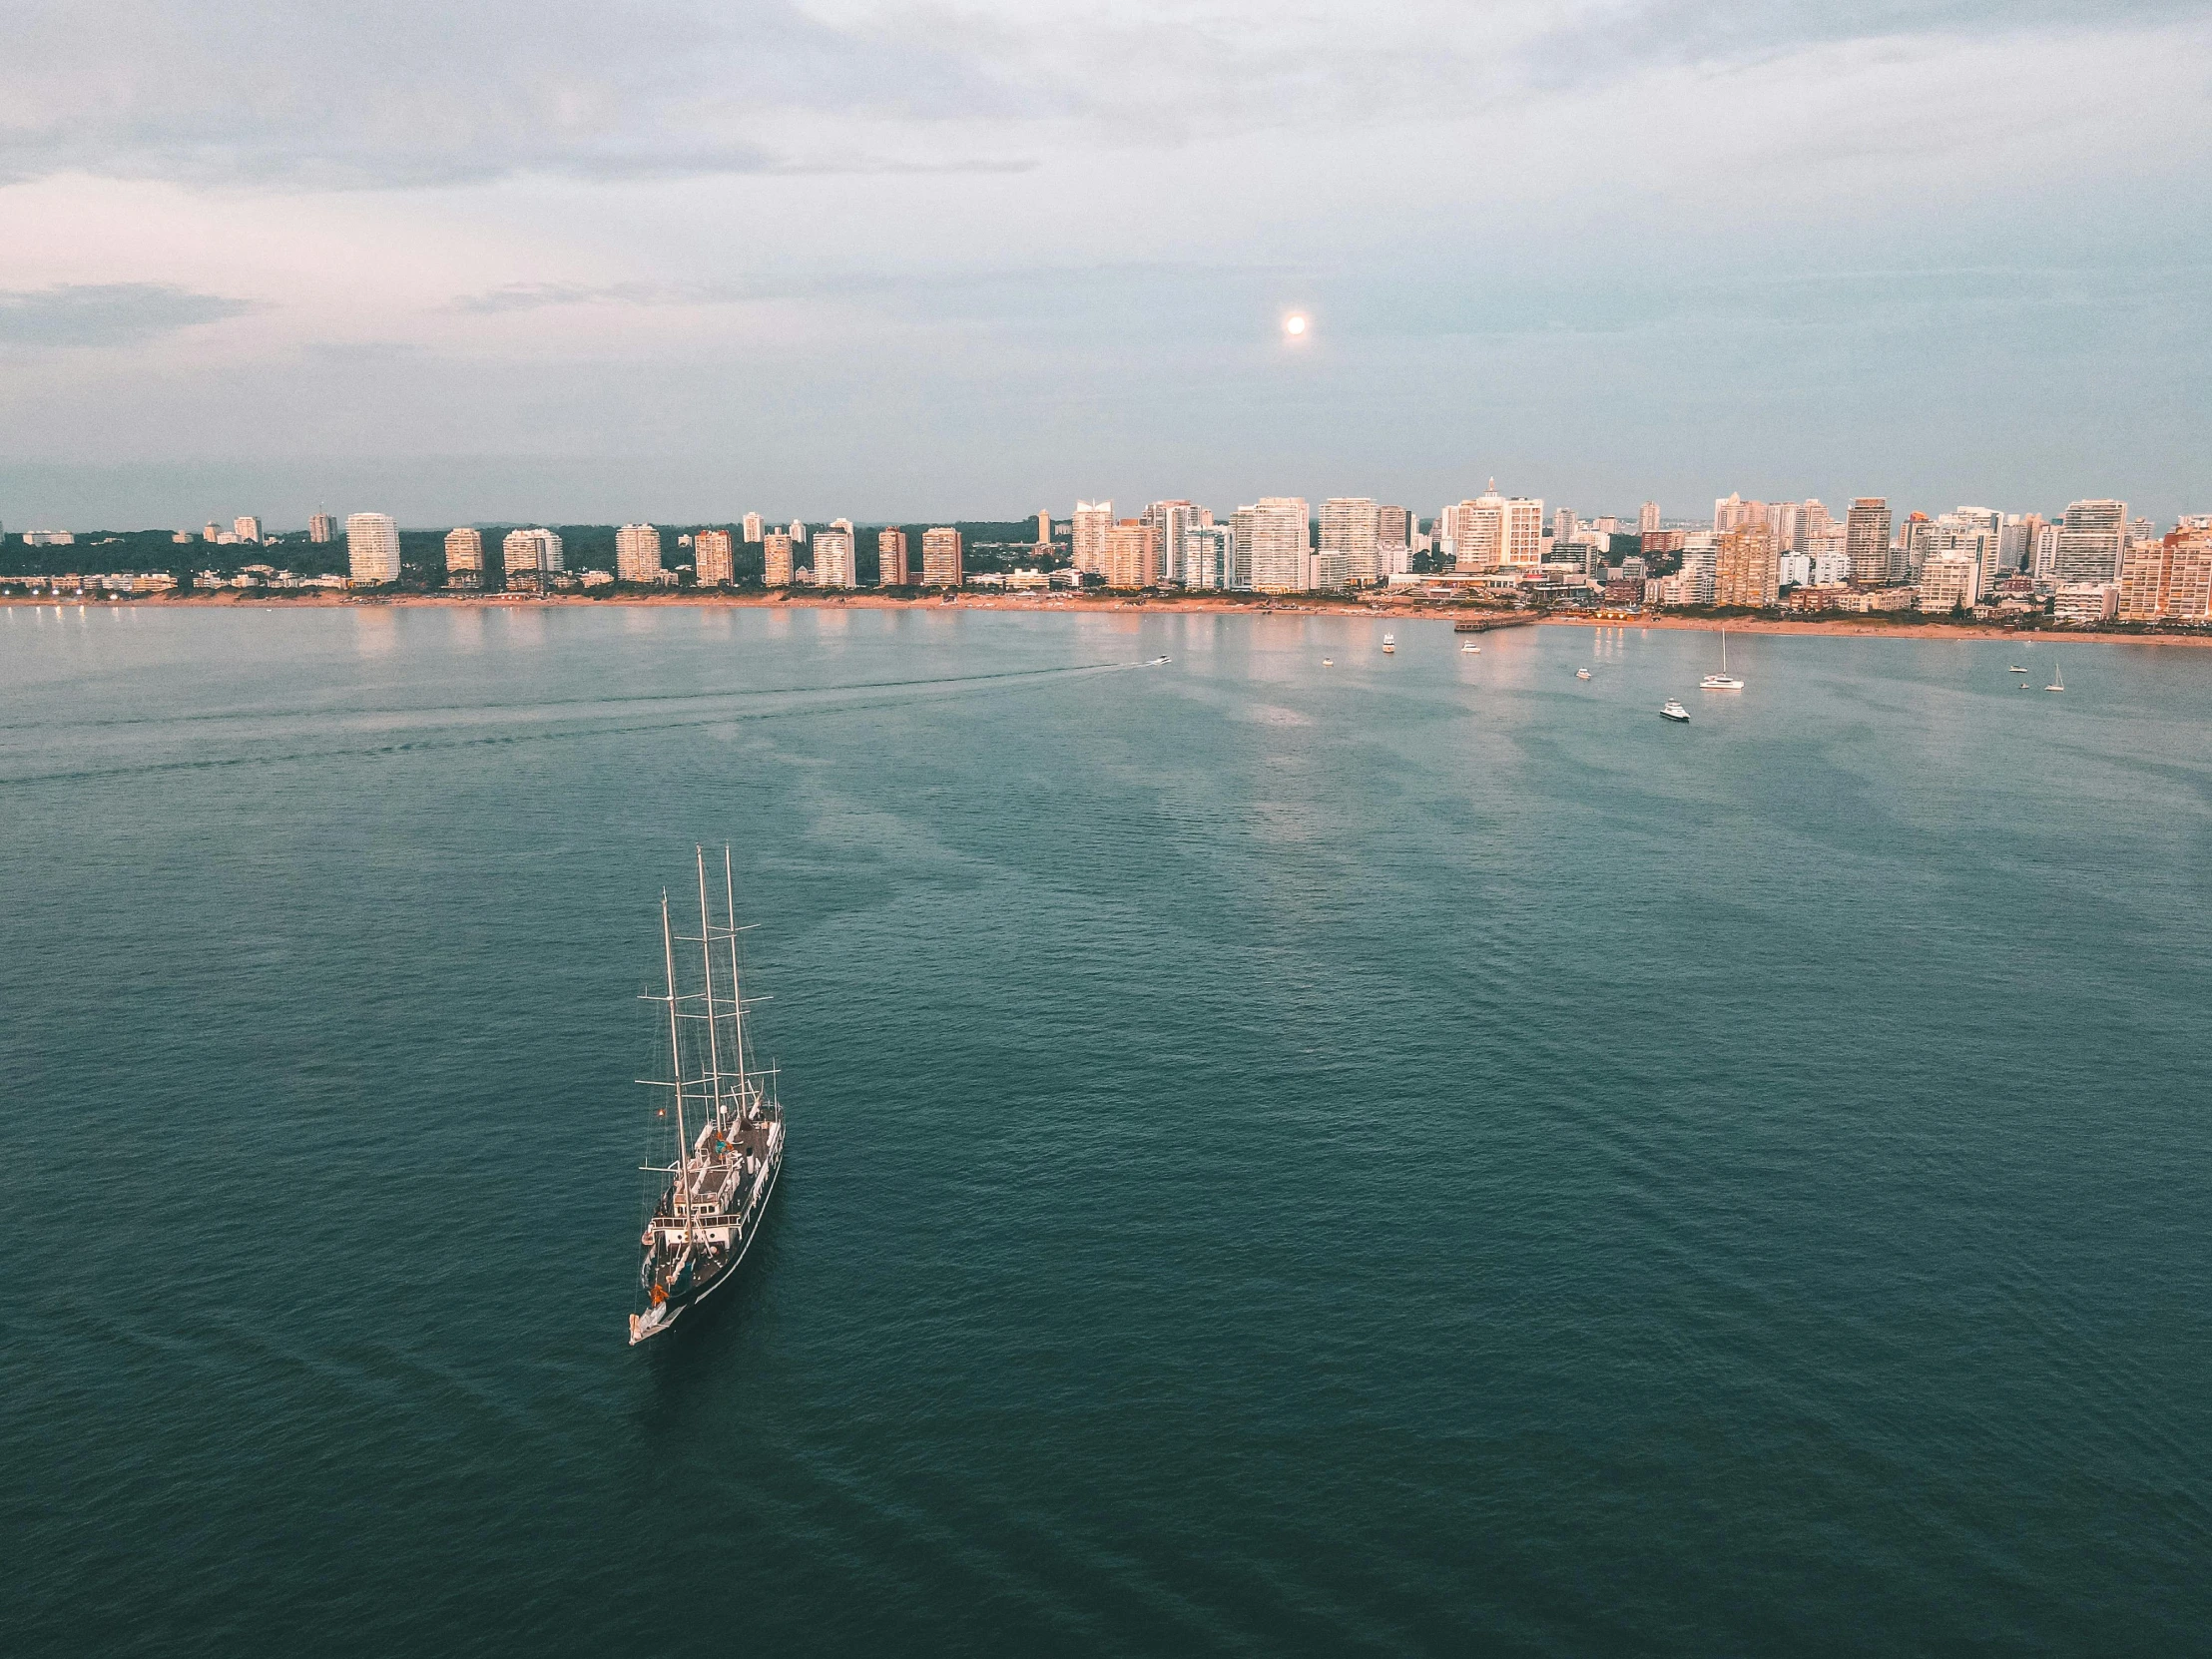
(1210, 557)
(1495, 533)
(637, 553)
(464, 551)
(1647, 518)
(834, 562)
(246, 527)
(371, 548)
(1271, 537)
(752, 528)
(1352, 526)
(322, 528)
(529, 556)
(1169, 521)
(2091, 538)
(1091, 521)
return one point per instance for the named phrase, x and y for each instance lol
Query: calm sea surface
(1418, 1155)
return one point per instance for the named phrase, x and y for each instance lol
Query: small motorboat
(1470, 649)
(1157, 661)
(1673, 710)
(2016, 669)
(1390, 647)
(1581, 674)
(1329, 662)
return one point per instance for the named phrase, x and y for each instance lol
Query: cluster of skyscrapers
(2092, 562)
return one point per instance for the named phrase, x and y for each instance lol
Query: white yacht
(1672, 709)
(1581, 674)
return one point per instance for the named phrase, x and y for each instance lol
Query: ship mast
(676, 1069)
(737, 985)
(707, 961)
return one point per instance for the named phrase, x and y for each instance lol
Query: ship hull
(677, 1306)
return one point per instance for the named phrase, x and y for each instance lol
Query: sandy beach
(1380, 608)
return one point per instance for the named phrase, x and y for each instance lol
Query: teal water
(1414, 1156)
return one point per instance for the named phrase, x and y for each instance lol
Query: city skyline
(1615, 255)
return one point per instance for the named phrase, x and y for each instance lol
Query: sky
(581, 261)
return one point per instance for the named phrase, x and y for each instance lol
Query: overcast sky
(593, 259)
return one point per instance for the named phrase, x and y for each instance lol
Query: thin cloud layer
(94, 314)
(412, 92)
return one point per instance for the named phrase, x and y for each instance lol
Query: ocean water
(1413, 1156)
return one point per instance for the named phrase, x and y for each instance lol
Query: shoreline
(1381, 610)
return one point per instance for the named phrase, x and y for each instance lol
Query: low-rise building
(2085, 604)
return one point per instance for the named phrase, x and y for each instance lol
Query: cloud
(448, 92)
(108, 314)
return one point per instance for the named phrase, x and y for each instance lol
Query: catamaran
(1723, 681)
(716, 1193)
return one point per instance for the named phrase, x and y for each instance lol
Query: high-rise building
(2189, 573)
(835, 566)
(1132, 555)
(371, 548)
(1272, 542)
(940, 558)
(1733, 510)
(2169, 580)
(798, 534)
(1045, 529)
(464, 557)
(891, 558)
(637, 553)
(1167, 522)
(1563, 525)
(1210, 556)
(1495, 533)
(752, 528)
(529, 557)
(322, 527)
(1091, 520)
(1816, 528)
(1745, 569)
(1352, 526)
(2091, 537)
(1949, 580)
(248, 527)
(1866, 540)
(776, 559)
(714, 558)
(1394, 527)
(1647, 518)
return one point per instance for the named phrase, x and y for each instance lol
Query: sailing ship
(1723, 681)
(727, 1120)
(2057, 680)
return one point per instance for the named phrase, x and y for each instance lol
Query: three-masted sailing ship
(727, 1120)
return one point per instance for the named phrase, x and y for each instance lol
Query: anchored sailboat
(718, 1189)
(1723, 681)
